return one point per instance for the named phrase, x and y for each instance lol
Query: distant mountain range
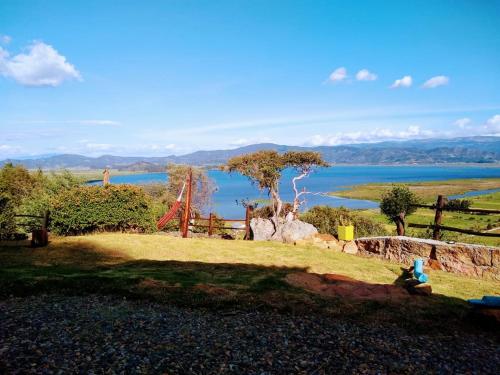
(428, 151)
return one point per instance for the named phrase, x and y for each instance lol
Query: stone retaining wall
(465, 259)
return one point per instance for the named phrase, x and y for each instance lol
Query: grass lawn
(250, 273)
(428, 190)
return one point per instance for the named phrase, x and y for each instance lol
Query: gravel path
(98, 334)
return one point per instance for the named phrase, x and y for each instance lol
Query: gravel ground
(98, 334)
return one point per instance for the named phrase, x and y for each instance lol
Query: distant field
(454, 219)
(94, 174)
(427, 190)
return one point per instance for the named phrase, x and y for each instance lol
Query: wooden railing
(39, 237)
(439, 207)
(212, 220)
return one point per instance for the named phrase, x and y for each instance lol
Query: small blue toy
(418, 271)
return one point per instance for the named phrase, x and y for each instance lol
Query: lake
(234, 187)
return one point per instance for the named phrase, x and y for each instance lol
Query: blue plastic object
(418, 271)
(486, 301)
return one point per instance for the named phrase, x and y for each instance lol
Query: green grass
(234, 264)
(217, 273)
(428, 190)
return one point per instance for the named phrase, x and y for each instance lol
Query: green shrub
(85, 209)
(7, 219)
(266, 212)
(458, 204)
(327, 219)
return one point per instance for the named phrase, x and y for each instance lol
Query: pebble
(53, 334)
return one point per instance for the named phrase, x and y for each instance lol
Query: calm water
(236, 187)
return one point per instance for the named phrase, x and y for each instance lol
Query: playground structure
(186, 219)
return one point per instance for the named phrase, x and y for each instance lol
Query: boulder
(295, 230)
(350, 247)
(262, 229)
(288, 231)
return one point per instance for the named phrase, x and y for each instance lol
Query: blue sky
(170, 77)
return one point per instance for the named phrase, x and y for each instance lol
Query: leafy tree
(397, 204)
(263, 169)
(16, 184)
(203, 186)
(304, 163)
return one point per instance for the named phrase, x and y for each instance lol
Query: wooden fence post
(187, 210)
(210, 224)
(438, 217)
(45, 222)
(248, 214)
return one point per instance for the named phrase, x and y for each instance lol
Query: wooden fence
(39, 237)
(212, 220)
(439, 207)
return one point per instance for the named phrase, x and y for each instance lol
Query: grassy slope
(233, 264)
(428, 190)
(169, 270)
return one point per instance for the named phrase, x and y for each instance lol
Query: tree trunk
(279, 204)
(296, 201)
(400, 224)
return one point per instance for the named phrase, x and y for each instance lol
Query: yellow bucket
(346, 232)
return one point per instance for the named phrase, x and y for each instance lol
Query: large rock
(350, 248)
(288, 231)
(295, 230)
(262, 229)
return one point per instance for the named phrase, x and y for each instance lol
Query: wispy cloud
(250, 141)
(462, 122)
(375, 135)
(406, 81)
(436, 82)
(42, 65)
(72, 122)
(365, 75)
(315, 119)
(5, 39)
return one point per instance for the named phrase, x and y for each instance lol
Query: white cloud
(462, 122)
(5, 39)
(42, 65)
(168, 147)
(436, 82)
(338, 75)
(73, 122)
(365, 75)
(98, 146)
(376, 135)
(250, 141)
(406, 81)
(493, 125)
(9, 150)
(97, 122)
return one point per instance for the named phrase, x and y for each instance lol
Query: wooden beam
(187, 209)
(451, 229)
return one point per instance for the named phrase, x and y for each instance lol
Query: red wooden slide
(172, 212)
